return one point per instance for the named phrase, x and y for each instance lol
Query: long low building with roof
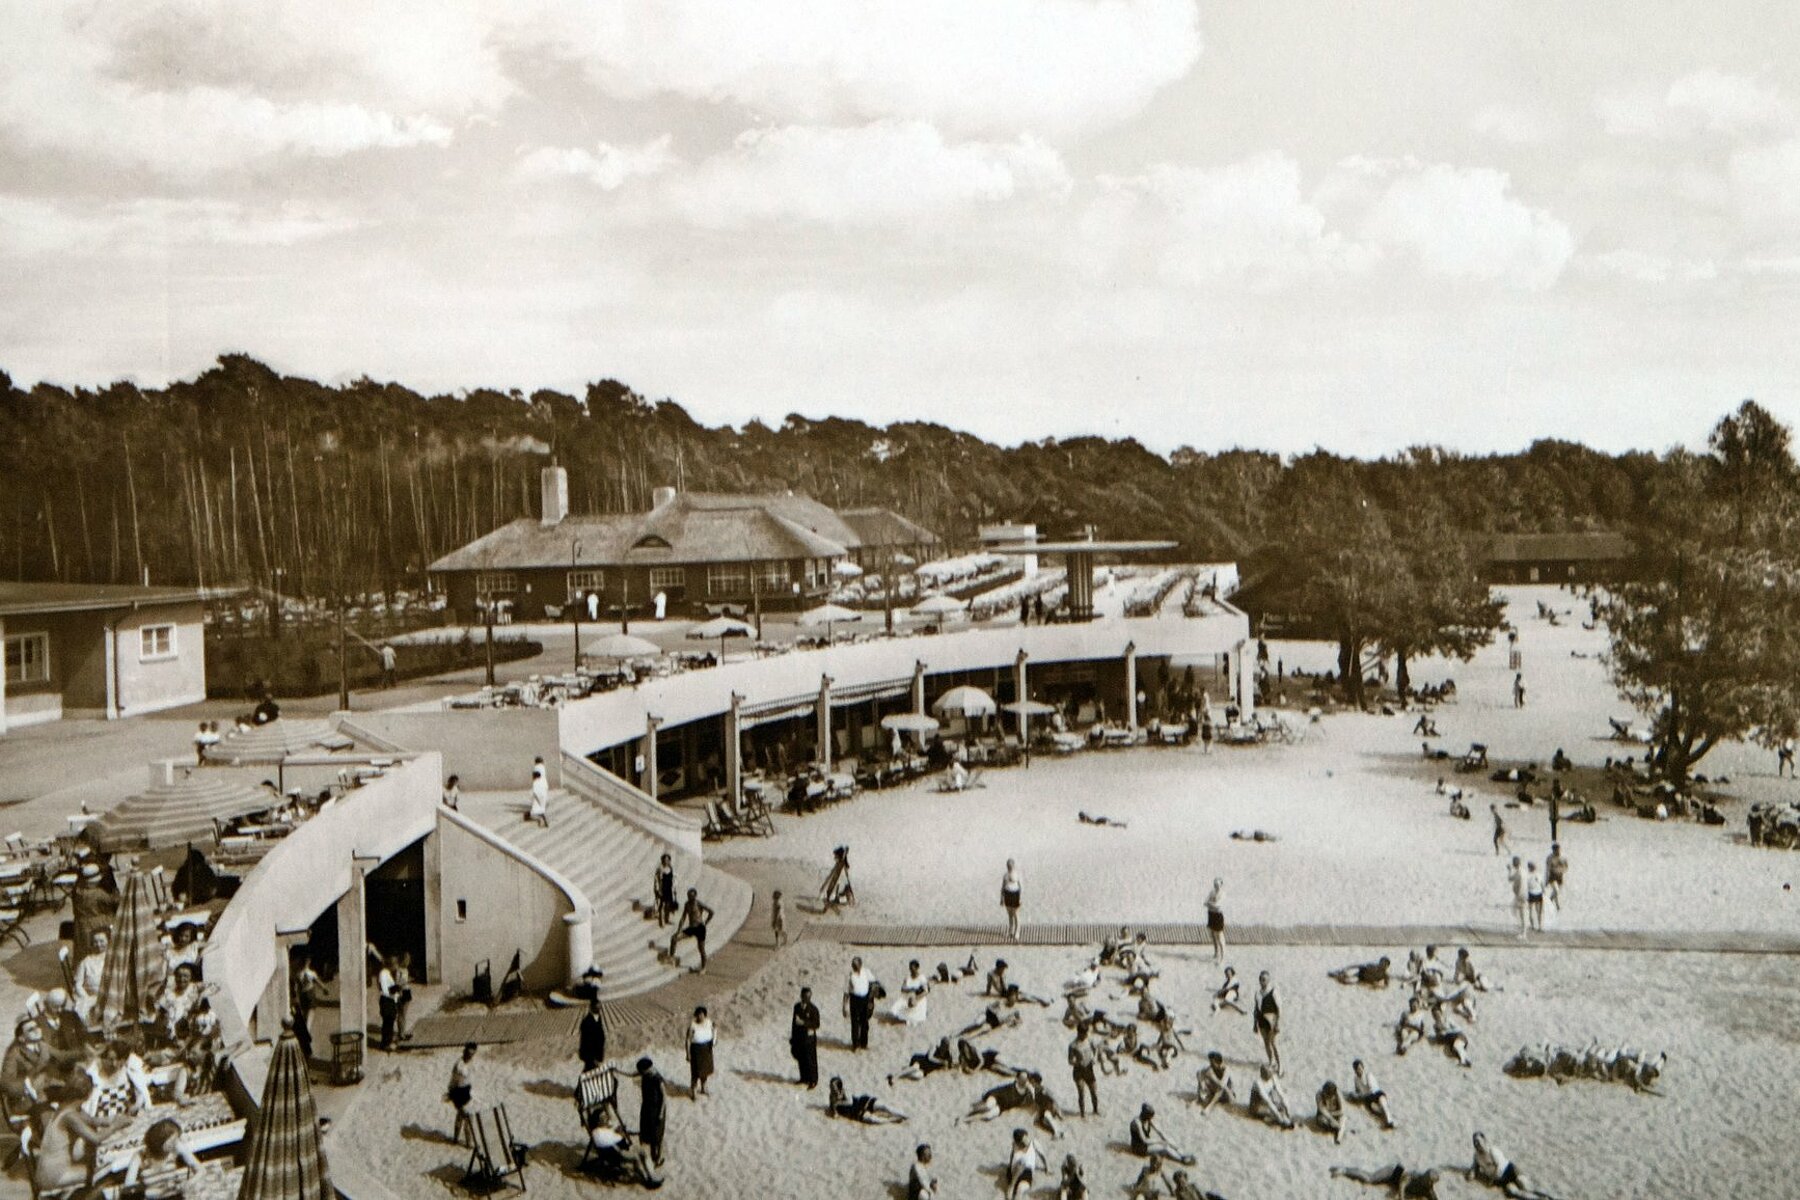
(698, 551)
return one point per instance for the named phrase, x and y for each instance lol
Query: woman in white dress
(915, 996)
(540, 795)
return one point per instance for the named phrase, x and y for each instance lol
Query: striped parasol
(285, 1160)
(134, 964)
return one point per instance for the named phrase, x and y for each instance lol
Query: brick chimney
(661, 497)
(556, 496)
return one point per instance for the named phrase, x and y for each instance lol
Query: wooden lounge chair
(496, 1161)
(754, 816)
(719, 821)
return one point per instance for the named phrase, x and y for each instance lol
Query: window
(727, 579)
(663, 579)
(156, 641)
(583, 582)
(775, 577)
(28, 658)
(489, 584)
(651, 541)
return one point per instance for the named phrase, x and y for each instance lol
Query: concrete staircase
(612, 861)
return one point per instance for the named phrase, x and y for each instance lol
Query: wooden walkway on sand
(1089, 934)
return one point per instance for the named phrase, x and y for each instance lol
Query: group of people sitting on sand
(1441, 1002)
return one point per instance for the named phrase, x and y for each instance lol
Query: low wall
(490, 748)
(510, 902)
(679, 829)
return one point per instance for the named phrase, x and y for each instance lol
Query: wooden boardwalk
(1674, 941)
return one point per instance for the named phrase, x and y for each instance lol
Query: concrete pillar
(353, 956)
(1131, 688)
(823, 718)
(734, 750)
(433, 854)
(578, 928)
(1022, 691)
(1245, 657)
(918, 687)
(648, 753)
(272, 1006)
(110, 664)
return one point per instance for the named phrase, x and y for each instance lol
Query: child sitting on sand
(1214, 1085)
(1228, 995)
(1366, 1092)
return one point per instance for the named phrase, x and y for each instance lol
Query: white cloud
(606, 166)
(1248, 219)
(1701, 102)
(1516, 126)
(1463, 223)
(993, 67)
(1641, 266)
(76, 88)
(888, 172)
(139, 228)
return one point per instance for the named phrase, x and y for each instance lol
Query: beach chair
(595, 1092)
(1475, 760)
(754, 817)
(496, 1161)
(512, 984)
(718, 825)
(482, 989)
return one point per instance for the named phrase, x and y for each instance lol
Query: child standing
(778, 919)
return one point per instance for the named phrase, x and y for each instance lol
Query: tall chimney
(556, 496)
(660, 497)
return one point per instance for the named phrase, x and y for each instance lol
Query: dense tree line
(243, 475)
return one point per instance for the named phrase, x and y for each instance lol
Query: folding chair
(595, 1092)
(12, 925)
(719, 822)
(755, 818)
(512, 984)
(482, 989)
(495, 1160)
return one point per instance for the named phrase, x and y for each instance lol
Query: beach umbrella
(284, 1160)
(721, 628)
(133, 968)
(938, 605)
(1028, 709)
(181, 810)
(845, 569)
(965, 702)
(621, 645)
(828, 615)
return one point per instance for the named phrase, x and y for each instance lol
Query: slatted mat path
(486, 1029)
(1655, 941)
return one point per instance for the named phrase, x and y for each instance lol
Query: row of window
(722, 579)
(28, 654)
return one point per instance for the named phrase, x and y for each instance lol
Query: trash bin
(346, 1058)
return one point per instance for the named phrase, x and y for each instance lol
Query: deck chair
(1475, 760)
(755, 818)
(719, 821)
(512, 984)
(595, 1092)
(495, 1160)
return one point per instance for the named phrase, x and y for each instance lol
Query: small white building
(99, 649)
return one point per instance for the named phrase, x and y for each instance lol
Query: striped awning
(284, 1160)
(886, 689)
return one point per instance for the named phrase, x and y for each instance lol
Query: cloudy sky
(1279, 223)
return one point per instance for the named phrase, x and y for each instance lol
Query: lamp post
(576, 597)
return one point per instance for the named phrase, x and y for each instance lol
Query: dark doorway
(395, 897)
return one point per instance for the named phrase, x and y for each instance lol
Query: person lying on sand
(1214, 1084)
(1400, 1182)
(1373, 974)
(1445, 1033)
(1268, 1102)
(1020, 1092)
(941, 1058)
(1493, 1168)
(1084, 981)
(1252, 835)
(864, 1109)
(1092, 820)
(968, 969)
(1004, 989)
(1366, 1092)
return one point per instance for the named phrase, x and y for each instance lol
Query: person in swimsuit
(1010, 888)
(1214, 1084)
(694, 918)
(1022, 1164)
(1215, 919)
(1229, 994)
(1266, 1017)
(663, 889)
(941, 1058)
(1400, 1182)
(921, 1184)
(864, 1109)
(1268, 1102)
(1366, 1092)
(1373, 974)
(1493, 1168)
(1149, 1141)
(1329, 1111)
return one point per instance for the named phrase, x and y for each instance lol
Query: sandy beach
(1363, 839)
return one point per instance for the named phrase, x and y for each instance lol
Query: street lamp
(575, 597)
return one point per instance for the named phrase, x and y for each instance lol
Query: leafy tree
(1437, 603)
(1707, 640)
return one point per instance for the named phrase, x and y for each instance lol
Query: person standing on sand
(1082, 1059)
(859, 1003)
(651, 1119)
(1519, 690)
(1265, 1016)
(778, 919)
(1011, 886)
(1215, 919)
(700, 1038)
(1515, 874)
(1556, 869)
(1534, 897)
(803, 1038)
(1500, 843)
(591, 1035)
(1556, 794)
(460, 1092)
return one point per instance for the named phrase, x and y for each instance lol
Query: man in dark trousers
(593, 1036)
(650, 1108)
(859, 1003)
(803, 1038)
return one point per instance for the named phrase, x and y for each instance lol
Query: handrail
(629, 804)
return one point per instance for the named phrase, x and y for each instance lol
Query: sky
(1271, 223)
